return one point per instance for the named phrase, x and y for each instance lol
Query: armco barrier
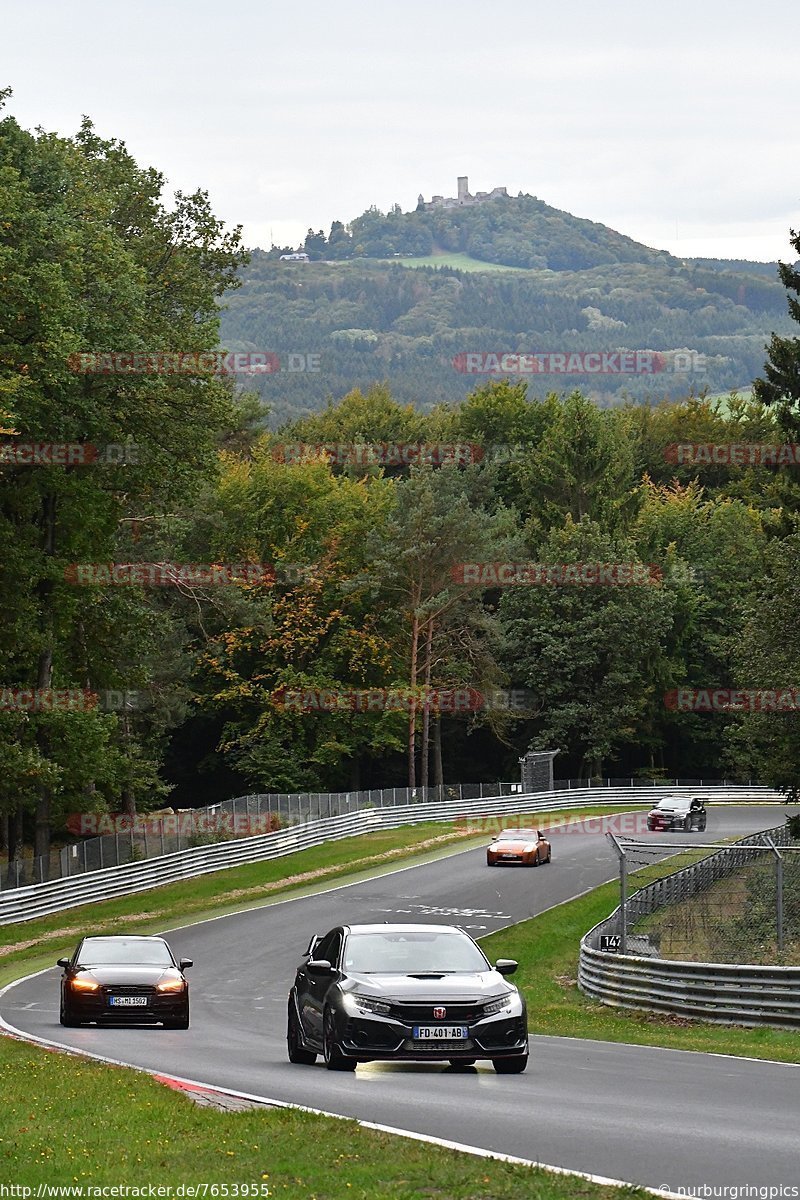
(724, 993)
(41, 899)
(157, 835)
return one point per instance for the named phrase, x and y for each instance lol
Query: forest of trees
(519, 231)
(368, 320)
(364, 588)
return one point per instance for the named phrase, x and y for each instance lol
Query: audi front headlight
(172, 983)
(84, 983)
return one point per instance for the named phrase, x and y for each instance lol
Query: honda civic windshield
(412, 953)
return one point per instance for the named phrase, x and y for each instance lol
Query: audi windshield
(123, 952)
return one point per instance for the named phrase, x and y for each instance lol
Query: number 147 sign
(610, 941)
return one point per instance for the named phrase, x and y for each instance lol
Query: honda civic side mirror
(506, 966)
(319, 967)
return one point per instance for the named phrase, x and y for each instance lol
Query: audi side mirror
(319, 967)
(183, 963)
(63, 962)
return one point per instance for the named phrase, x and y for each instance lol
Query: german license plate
(437, 1033)
(128, 1001)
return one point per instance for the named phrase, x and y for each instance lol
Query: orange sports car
(529, 847)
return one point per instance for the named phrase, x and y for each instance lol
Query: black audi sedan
(417, 992)
(124, 978)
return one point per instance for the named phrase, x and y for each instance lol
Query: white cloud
(292, 116)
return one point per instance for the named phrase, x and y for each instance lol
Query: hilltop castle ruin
(462, 200)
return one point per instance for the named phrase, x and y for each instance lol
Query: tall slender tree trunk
(19, 831)
(412, 711)
(44, 680)
(41, 831)
(424, 772)
(16, 840)
(128, 796)
(438, 773)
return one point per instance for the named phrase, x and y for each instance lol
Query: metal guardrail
(726, 994)
(723, 993)
(153, 835)
(37, 900)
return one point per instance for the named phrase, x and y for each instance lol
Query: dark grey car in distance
(678, 812)
(124, 979)
(401, 991)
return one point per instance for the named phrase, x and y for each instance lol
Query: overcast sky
(676, 124)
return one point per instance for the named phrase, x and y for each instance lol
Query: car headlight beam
(80, 984)
(496, 1006)
(367, 1004)
(170, 985)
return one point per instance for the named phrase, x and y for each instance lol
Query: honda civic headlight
(504, 1004)
(367, 1004)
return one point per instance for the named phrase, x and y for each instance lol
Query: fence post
(778, 892)
(623, 893)
(779, 889)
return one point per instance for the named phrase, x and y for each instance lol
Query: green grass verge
(462, 262)
(35, 944)
(50, 1132)
(546, 948)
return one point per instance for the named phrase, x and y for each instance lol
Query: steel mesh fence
(248, 816)
(738, 904)
(151, 836)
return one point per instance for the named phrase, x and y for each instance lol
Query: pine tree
(781, 386)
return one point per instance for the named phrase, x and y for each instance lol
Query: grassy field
(50, 1134)
(462, 262)
(724, 398)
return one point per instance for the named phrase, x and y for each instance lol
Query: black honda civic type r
(417, 992)
(124, 978)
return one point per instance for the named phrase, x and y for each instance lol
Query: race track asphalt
(664, 1118)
